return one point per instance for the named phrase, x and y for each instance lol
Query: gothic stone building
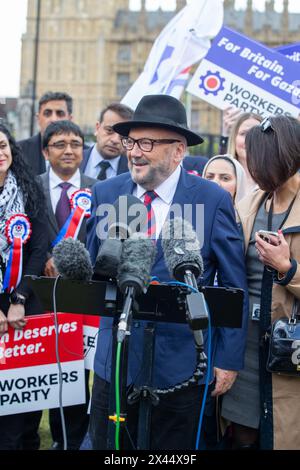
(95, 49)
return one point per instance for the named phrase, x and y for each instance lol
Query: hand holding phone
(266, 236)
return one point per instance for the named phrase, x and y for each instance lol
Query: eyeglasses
(64, 145)
(265, 125)
(146, 145)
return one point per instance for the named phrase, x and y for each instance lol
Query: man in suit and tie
(53, 106)
(107, 157)
(156, 140)
(62, 147)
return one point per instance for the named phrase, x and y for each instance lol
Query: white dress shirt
(55, 190)
(92, 168)
(161, 204)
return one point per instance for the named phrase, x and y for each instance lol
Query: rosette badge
(18, 226)
(17, 231)
(81, 201)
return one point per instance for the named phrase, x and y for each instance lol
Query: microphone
(129, 215)
(181, 249)
(137, 258)
(72, 260)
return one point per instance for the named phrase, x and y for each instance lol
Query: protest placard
(291, 51)
(90, 337)
(29, 377)
(238, 71)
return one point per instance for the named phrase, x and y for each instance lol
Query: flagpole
(35, 65)
(187, 39)
(188, 107)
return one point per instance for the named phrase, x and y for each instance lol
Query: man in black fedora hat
(156, 140)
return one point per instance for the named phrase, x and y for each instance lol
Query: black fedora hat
(160, 111)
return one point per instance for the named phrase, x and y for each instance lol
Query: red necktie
(151, 226)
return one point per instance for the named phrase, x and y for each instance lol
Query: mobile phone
(265, 235)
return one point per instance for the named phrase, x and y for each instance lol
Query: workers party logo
(212, 83)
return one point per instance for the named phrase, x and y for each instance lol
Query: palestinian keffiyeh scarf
(11, 202)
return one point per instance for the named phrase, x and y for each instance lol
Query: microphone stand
(121, 334)
(126, 312)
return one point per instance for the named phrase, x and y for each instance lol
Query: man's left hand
(224, 381)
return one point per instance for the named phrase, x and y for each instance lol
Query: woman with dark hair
(264, 408)
(22, 225)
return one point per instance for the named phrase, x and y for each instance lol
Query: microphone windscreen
(72, 260)
(129, 216)
(138, 256)
(109, 258)
(181, 247)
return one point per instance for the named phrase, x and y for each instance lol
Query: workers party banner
(29, 375)
(291, 51)
(240, 72)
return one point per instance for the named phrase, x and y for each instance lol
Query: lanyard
(270, 214)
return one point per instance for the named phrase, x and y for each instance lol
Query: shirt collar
(55, 180)
(166, 189)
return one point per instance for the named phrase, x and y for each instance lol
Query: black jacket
(32, 151)
(195, 163)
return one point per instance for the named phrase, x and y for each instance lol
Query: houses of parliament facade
(95, 49)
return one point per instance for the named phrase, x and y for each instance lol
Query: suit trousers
(174, 421)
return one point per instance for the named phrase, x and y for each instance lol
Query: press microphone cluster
(181, 249)
(72, 260)
(126, 255)
(133, 277)
(122, 222)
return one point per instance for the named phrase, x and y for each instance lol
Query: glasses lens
(63, 145)
(75, 145)
(145, 144)
(59, 145)
(126, 143)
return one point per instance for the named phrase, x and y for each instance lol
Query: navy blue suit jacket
(195, 164)
(122, 166)
(222, 250)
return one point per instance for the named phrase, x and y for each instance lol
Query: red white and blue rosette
(81, 202)
(17, 231)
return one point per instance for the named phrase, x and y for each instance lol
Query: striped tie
(151, 226)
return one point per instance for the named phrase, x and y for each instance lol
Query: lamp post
(35, 64)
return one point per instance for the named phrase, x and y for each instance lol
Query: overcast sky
(13, 24)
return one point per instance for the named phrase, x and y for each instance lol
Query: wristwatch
(16, 298)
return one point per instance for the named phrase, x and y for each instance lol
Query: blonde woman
(236, 143)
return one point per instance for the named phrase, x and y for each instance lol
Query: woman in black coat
(19, 194)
